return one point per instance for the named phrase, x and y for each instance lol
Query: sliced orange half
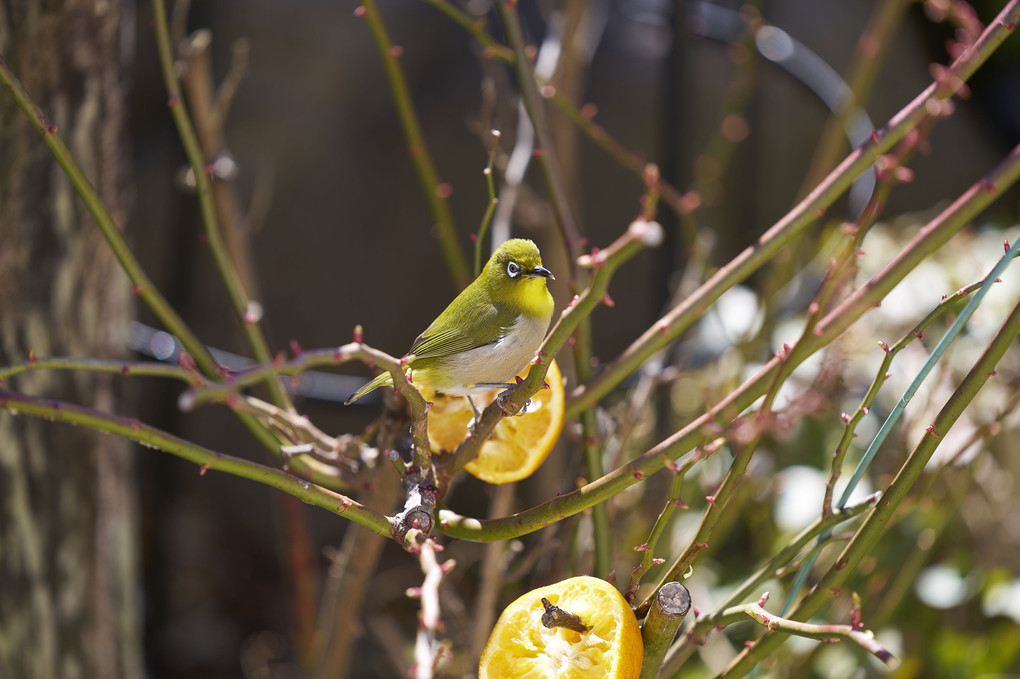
(518, 445)
(522, 646)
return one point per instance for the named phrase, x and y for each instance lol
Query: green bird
(489, 332)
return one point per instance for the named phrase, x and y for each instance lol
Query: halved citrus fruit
(518, 445)
(601, 637)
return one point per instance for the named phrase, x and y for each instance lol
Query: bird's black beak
(542, 271)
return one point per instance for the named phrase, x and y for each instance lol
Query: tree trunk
(69, 573)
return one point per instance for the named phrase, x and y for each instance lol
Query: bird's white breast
(494, 363)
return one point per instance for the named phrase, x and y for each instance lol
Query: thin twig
(544, 146)
(730, 610)
(490, 208)
(60, 411)
(582, 117)
(648, 546)
(429, 651)
(436, 193)
(865, 640)
(247, 312)
(143, 286)
(126, 368)
(640, 234)
(931, 237)
(874, 525)
(930, 101)
(881, 375)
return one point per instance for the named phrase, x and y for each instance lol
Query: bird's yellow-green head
(515, 275)
(489, 332)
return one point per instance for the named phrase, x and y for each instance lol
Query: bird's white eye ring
(513, 269)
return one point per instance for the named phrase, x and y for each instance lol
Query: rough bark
(69, 577)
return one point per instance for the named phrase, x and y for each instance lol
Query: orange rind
(607, 646)
(518, 445)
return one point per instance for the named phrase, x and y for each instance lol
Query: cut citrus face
(522, 646)
(518, 445)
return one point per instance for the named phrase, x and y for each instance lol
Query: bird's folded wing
(460, 332)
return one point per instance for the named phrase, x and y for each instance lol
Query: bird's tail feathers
(378, 381)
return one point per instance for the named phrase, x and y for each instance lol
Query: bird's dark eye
(513, 269)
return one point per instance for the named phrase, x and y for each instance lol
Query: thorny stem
(945, 509)
(931, 237)
(544, 146)
(592, 444)
(648, 548)
(888, 169)
(842, 266)
(210, 392)
(730, 609)
(758, 425)
(476, 27)
(639, 234)
(929, 102)
(143, 286)
(329, 476)
(584, 119)
(717, 503)
(132, 368)
(893, 417)
(436, 193)
(581, 117)
(874, 525)
(864, 639)
(60, 411)
(247, 312)
(209, 106)
(881, 375)
(872, 48)
(490, 209)
(421, 481)
(429, 652)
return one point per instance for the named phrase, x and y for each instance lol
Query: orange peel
(518, 445)
(608, 646)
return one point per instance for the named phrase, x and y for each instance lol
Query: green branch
(132, 368)
(931, 237)
(419, 152)
(639, 234)
(544, 148)
(805, 213)
(582, 117)
(864, 539)
(730, 610)
(864, 639)
(59, 411)
(247, 312)
(490, 208)
(143, 286)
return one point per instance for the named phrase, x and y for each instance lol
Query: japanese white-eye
(489, 332)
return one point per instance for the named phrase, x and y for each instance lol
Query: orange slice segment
(518, 445)
(521, 646)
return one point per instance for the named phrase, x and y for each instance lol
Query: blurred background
(340, 234)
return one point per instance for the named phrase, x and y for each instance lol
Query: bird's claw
(501, 400)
